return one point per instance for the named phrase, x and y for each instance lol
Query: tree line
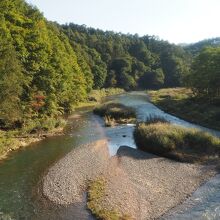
(47, 68)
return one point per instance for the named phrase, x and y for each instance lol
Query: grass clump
(175, 142)
(115, 113)
(152, 119)
(96, 193)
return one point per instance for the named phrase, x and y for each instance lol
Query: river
(22, 171)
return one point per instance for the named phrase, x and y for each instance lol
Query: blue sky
(178, 21)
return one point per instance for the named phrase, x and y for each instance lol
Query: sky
(178, 21)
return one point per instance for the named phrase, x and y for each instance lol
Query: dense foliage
(40, 74)
(46, 69)
(196, 48)
(129, 61)
(205, 73)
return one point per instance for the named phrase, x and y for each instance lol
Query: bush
(176, 142)
(42, 124)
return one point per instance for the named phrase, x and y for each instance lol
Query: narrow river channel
(22, 171)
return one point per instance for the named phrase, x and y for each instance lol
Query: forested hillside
(128, 61)
(40, 73)
(47, 68)
(196, 48)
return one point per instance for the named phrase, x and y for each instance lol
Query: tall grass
(176, 142)
(97, 95)
(114, 113)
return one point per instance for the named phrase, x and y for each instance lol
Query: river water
(22, 171)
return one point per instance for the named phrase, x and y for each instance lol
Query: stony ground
(139, 184)
(66, 180)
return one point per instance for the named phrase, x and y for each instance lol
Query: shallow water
(21, 172)
(205, 202)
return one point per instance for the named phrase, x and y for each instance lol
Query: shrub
(42, 124)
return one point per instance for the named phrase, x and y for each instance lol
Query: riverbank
(181, 103)
(137, 184)
(10, 142)
(16, 139)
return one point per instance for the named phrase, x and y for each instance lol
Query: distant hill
(195, 48)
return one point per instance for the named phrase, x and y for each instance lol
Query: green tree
(152, 79)
(205, 73)
(11, 80)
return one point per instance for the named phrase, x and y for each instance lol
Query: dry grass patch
(96, 193)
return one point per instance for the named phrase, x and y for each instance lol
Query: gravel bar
(139, 184)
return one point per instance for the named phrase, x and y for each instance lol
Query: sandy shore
(142, 185)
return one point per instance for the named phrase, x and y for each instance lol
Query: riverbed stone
(66, 180)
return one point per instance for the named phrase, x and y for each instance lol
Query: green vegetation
(115, 113)
(34, 130)
(39, 72)
(127, 61)
(47, 69)
(183, 103)
(204, 78)
(175, 142)
(96, 192)
(7, 142)
(196, 48)
(98, 95)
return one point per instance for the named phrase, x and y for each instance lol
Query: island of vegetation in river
(160, 137)
(116, 113)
